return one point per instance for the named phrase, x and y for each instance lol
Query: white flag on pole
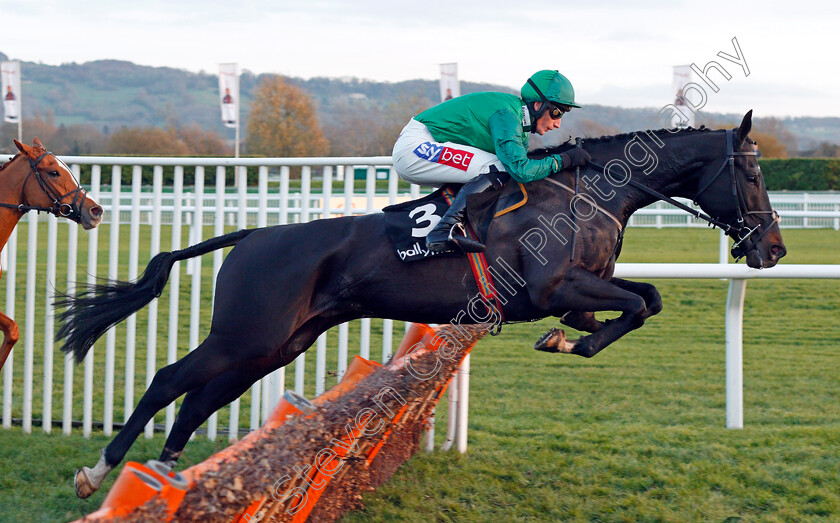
(10, 72)
(229, 94)
(449, 86)
(682, 77)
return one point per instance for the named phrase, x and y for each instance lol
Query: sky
(615, 53)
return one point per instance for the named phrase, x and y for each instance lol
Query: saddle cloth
(407, 224)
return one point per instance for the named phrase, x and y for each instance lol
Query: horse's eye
(753, 179)
(54, 174)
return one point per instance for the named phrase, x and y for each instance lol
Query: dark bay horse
(35, 180)
(282, 286)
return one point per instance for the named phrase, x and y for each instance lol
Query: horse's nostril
(778, 251)
(96, 211)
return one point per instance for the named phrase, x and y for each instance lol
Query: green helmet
(554, 86)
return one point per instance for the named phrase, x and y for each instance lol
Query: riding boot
(449, 235)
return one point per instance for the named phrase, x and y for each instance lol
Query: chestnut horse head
(37, 180)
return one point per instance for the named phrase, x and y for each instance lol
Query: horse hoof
(552, 341)
(84, 486)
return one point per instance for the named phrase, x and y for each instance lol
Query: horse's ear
(745, 127)
(25, 149)
(37, 143)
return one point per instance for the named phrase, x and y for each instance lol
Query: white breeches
(419, 159)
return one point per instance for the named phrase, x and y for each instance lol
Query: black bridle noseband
(740, 231)
(71, 211)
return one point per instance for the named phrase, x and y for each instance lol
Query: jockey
(480, 140)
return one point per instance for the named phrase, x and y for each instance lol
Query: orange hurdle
(137, 484)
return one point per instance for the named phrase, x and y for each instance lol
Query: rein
(70, 211)
(579, 145)
(738, 251)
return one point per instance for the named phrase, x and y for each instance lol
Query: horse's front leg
(585, 292)
(584, 321)
(653, 300)
(10, 337)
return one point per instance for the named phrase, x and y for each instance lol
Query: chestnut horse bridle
(71, 211)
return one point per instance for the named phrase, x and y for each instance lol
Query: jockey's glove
(573, 158)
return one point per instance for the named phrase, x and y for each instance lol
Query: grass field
(634, 434)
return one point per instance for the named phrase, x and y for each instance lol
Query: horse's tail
(96, 308)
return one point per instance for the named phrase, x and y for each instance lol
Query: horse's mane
(568, 144)
(4, 165)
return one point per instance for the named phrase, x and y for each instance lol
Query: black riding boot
(449, 235)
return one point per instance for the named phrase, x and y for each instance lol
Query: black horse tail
(98, 307)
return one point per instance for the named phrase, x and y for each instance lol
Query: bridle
(741, 246)
(71, 211)
(740, 230)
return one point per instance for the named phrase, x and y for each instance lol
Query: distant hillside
(110, 94)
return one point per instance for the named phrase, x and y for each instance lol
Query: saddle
(408, 223)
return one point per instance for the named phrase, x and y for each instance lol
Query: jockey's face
(545, 123)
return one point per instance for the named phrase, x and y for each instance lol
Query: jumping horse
(281, 287)
(35, 180)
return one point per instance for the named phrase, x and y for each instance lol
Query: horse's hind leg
(211, 358)
(200, 403)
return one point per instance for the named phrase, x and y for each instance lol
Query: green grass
(634, 434)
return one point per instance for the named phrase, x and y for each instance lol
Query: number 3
(427, 215)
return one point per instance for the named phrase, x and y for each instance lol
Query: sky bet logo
(440, 154)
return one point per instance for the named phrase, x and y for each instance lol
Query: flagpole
(236, 143)
(20, 117)
(236, 150)
(20, 104)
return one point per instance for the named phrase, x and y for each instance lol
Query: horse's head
(50, 185)
(734, 193)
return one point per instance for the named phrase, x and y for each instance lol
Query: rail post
(735, 354)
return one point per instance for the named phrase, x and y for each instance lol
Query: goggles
(556, 112)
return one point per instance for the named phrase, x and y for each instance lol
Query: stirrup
(468, 245)
(454, 243)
